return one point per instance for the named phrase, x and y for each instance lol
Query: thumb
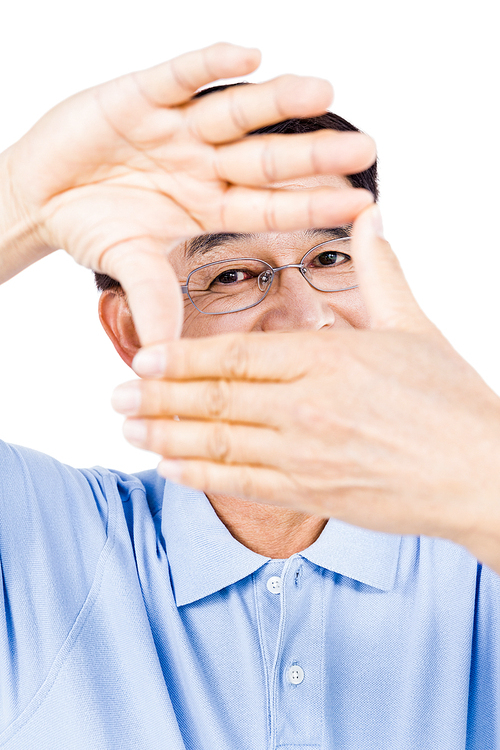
(151, 286)
(384, 289)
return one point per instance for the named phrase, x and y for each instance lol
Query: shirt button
(295, 674)
(274, 585)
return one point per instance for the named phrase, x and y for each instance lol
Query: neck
(266, 529)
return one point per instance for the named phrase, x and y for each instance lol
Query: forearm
(21, 241)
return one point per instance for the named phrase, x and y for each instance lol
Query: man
(139, 614)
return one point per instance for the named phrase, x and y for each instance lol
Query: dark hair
(327, 121)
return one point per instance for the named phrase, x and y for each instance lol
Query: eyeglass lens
(234, 285)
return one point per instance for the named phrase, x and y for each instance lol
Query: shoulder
(37, 491)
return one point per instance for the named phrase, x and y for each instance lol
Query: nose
(293, 304)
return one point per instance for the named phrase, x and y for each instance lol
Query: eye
(232, 276)
(330, 258)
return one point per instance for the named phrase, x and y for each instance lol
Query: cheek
(196, 324)
(350, 310)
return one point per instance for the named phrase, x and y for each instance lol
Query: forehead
(200, 246)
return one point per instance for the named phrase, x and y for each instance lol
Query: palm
(119, 174)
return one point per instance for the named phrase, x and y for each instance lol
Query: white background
(421, 78)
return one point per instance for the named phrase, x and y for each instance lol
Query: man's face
(291, 304)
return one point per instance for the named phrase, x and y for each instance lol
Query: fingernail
(170, 470)
(126, 399)
(150, 362)
(135, 431)
(376, 218)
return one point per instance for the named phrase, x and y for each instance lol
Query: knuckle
(268, 164)
(197, 474)
(306, 414)
(237, 111)
(246, 485)
(156, 397)
(208, 59)
(271, 212)
(236, 365)
(164, 439)
(216, 401)
(316, 148)
(287, 82)
(178, 360)
(172, 398)
(219, 443)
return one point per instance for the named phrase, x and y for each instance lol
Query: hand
(387, 428)
(120, 174)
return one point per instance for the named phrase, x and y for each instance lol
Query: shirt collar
(370, 557)
(205, 558)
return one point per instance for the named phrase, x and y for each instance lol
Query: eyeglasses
(237, 284)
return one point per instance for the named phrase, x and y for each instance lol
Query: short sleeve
(54, 524)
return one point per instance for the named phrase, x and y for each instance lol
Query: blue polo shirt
(130, 619)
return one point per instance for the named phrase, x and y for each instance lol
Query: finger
(283, 210)
(214, 441)
(248, 482)
(228, 115)
(262, 484)
(151, 286)
(235, 356)
(385, 291)
(265, 159)
(175, 81)
(214, 399)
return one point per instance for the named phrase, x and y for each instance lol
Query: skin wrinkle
(224, 206)
(182, 82)
(270, 212)
(234, 108)
(217, 171)
(156, 188)
(217, 398)
(26, 226)
(205, 56)
(268, 164)
(219, 443)
(147, 98)
(117, 180)
(314, 158)
(107, 119)
(310, 218)
(237, 112)
(281, 112)
(206, 242)
(141, 151)
(237, 365)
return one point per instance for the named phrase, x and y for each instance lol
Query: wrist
(482, 538)
(480, 529)
(21, 242)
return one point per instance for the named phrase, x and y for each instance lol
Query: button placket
(268, 585)
(298, 670)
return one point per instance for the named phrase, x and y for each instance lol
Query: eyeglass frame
(185, 290)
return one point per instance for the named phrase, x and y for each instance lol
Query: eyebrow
(206, 242)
